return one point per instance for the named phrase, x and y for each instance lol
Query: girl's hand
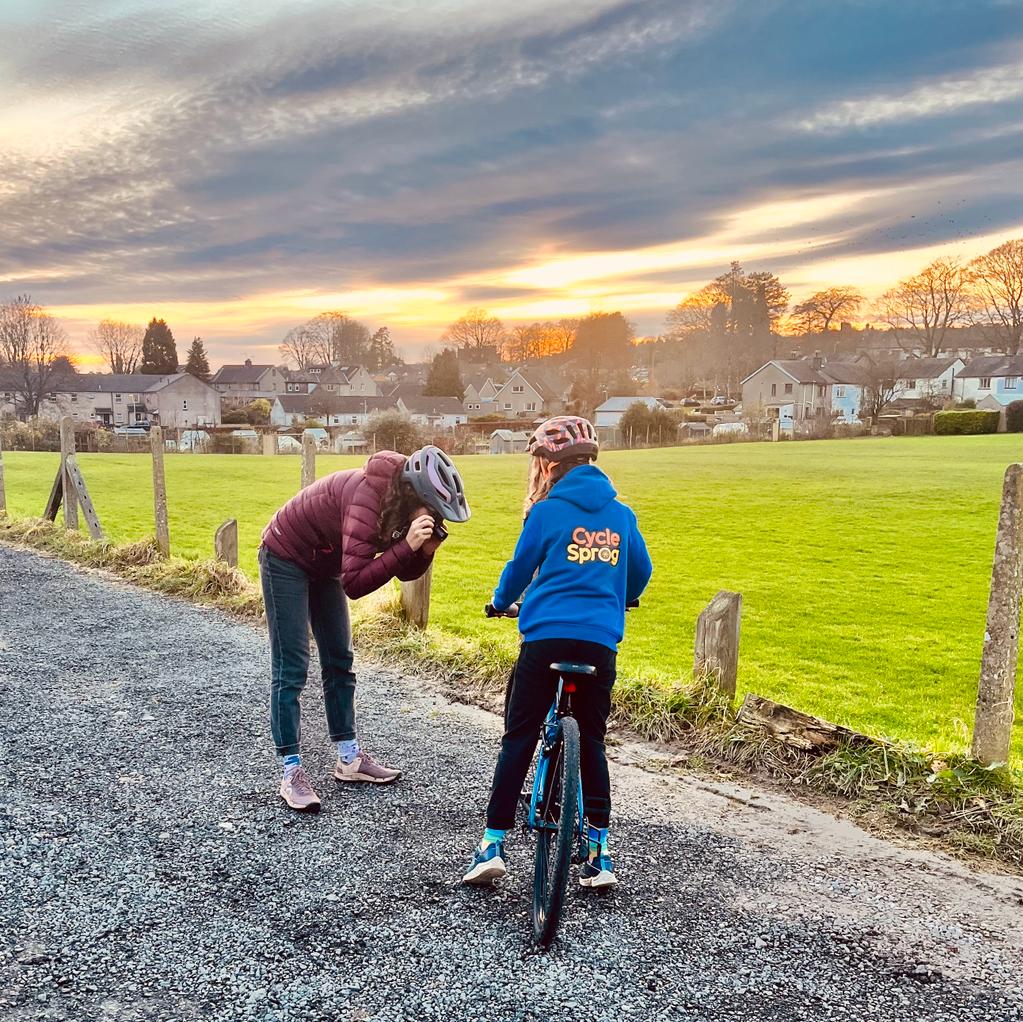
(419, 531)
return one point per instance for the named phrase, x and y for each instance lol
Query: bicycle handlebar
(513, 611)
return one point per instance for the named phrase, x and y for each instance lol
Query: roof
(846, 372)
(294, 404)
(115, 383)
(507, 434)
(923, 368)
(424, 404)
(621, 404)
(993, 365)
(406, 390)
(245, 373)
(352, 404)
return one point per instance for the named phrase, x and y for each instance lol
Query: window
(518, 389)
(355, 420)
(1010, 382)
(117, 398)
(184, 404)
(531, 407)
(788, 388)
(774, 390)
(507, 405)
(840, 392)
(985, 383)
(910, 384)
(74, 398)
(820, 390)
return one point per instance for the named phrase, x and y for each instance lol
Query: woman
(340, 538)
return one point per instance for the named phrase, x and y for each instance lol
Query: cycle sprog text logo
(599, 545)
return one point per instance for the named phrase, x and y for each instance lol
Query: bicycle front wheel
(557, 817)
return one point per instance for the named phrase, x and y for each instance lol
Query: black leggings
(530, 693)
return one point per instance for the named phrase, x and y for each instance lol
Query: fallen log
(796, 729)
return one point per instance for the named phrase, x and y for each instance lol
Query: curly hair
(398, 505)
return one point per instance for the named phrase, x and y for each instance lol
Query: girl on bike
(340, 538)
(589, 560)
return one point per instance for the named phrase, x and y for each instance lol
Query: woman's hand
(419, 531)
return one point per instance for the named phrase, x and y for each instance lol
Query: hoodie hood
(586, 487)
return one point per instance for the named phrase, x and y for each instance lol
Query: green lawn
(863, 565)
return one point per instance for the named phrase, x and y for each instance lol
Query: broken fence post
(159, 492)
(67, 450)
(269, 444)
(308, 460)
(992, 727)
(80, 492)
(717, 640)
(225, 543)
(415, 600)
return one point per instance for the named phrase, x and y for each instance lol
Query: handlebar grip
(632, 605)
(490, 610)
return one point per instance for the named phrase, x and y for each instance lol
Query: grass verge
(968, 808)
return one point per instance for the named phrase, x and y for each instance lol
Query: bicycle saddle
(567, 668)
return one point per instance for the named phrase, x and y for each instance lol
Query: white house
(290, 409)
(610, 413)
(927, 379)
(433, 412)
(805, 390)
(995, 377)
(175, 401)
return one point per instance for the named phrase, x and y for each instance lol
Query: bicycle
(558, 822)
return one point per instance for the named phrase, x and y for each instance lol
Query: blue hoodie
(590, 561)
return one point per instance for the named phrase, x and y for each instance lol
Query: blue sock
(492, 837)
(348, 752)
(292, 762)
(598, 841)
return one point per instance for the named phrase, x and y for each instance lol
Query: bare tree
(881, 387)
(331, 338)
(561, 335)
(300, 347)
(816, 314)
(998, 283)
(477, 332)
(692, 316)
(32, 346)
(922, 309)
(118, 344)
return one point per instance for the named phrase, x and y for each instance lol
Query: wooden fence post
(308, 460)
(415, 600)
(3, 492)
(225, 543)
(269, 444)
(67, 450)
(717, 640)
(992, 726)
(159, 491)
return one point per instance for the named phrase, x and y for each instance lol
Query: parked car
(130, 431)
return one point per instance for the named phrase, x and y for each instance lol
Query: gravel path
(149, 871)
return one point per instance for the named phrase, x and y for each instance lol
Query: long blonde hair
(543, 474)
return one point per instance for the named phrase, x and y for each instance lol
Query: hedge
(1014, 417)
(947, 423)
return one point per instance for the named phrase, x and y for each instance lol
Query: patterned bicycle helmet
(436, 481)
(563, 437)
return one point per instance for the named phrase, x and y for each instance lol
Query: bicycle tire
(554, 848)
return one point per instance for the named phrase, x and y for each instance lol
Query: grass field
(863, 565)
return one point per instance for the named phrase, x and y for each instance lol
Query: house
(246, 382)
(342, 380)
(929, 380)
(848, 383)
(290, 409)
(433, 412)
(175, 401)
(790, 390)
(504, 441)
(609, 414)
(357, 411)
(998, 377)
(480, 392)
(528, 392)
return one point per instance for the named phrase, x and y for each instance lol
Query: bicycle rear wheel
(557, 817)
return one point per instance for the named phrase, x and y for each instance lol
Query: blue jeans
(294, 602)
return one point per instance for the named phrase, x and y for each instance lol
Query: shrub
(966, 422)
(1014, 417)
(234, 417)
(963, 405)
(393, 431)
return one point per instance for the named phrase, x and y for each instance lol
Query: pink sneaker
(365, 768)
(297, 791)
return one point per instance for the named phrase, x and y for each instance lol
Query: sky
(238, 167)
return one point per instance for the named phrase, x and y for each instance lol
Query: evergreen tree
(159, 352)
(198, 364)
(444, 378)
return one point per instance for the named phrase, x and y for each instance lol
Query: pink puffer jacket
(330, 528)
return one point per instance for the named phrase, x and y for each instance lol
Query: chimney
(817, 361)
(794, 355)
(248, 361)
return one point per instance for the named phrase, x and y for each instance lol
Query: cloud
(403, 160)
